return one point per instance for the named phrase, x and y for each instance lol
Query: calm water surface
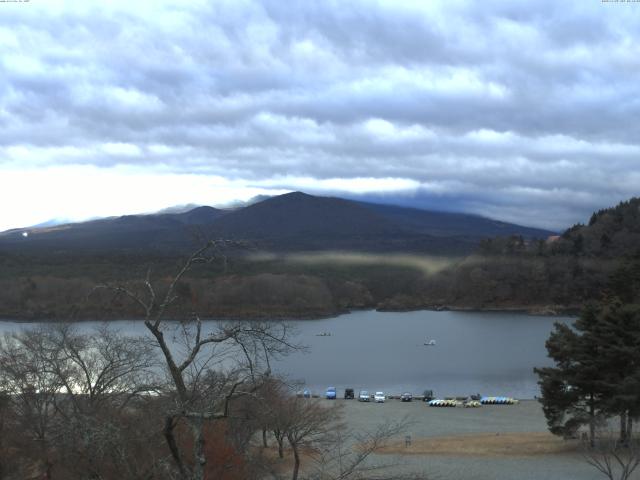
(475, 352)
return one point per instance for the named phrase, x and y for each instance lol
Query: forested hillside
(560, 272)
(550, 275)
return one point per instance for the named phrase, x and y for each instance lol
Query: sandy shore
(493, 442)
(485, 445)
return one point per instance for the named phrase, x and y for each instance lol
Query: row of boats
(450, 402)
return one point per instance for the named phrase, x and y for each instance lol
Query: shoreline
(536, 311)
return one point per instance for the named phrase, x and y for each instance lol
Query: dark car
(428, 395)
(349, 394)
(406, 397)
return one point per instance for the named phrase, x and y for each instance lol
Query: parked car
(363, 396)
(406, 397)
(428, 395)
(349, 394)
(331, 393)
(379, 397)
(306, 394)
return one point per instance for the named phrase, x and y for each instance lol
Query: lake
(491, 353)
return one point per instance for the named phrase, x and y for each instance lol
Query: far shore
(533, 310)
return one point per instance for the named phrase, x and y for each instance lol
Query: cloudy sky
(522, 111)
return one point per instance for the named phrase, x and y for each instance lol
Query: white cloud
(117, 149)
(358, 185)
(83, 192)
(490, 106)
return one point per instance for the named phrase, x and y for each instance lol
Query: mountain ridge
(294, 221)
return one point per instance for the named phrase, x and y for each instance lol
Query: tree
(346, 454)
(240, 351)
(571, 391)
(618, 333)
(98, 370)
(67, 393)
(612, 458)
(5, 433)
(597, 371)
(31, 390)
(305, 423)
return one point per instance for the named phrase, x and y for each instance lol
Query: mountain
(177, 208)
(445, 224)
(290, 222)
(297, 221)
(50, 223)
(298, 215)
(157, 232)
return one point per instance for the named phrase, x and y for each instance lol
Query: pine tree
(597, 372)
(572, 391)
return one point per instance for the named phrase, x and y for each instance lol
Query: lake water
(475, 352)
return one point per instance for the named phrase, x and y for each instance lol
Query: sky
(527, 112)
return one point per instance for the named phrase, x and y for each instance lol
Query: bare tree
(347, 455)
(239, 351)
(31, 390)
(271, 412)
(6, 457)
(614, 458)
(100, 368)
(69, 390)
(305, 423)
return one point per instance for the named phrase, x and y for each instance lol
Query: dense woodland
(556, 274)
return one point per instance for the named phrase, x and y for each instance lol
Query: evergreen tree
(597, 372)
(619, 335)
(572, 391)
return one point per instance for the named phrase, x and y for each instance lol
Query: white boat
(430, 343)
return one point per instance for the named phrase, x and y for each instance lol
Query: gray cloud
(523, 111)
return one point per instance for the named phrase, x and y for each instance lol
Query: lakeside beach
(493, 442)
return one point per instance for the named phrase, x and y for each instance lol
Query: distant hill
(611, 232)
(563, 272)
(155, 233)
(290, 222)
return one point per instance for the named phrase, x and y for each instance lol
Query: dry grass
(486, 445)
(284, 465)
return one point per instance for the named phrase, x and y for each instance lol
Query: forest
(552, 275)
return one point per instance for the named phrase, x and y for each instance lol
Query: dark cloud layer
(525, 111)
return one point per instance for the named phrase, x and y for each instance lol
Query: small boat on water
(430, 343)
(323, 334)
